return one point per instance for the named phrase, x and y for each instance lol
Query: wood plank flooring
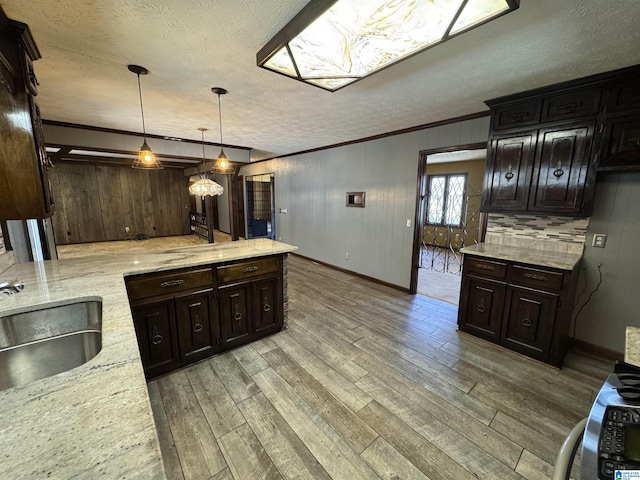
(368, 383)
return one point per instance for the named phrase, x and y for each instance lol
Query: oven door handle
(567, 453)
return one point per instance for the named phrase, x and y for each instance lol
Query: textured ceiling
(191, 45)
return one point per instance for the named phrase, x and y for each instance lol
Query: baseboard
(596, 350)
(351, 272)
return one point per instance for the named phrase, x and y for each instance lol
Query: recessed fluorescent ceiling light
(332, 43)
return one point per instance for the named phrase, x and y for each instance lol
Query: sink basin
(49, 340)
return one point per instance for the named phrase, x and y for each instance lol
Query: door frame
(421, 191)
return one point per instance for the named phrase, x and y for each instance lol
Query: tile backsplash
(539, 232)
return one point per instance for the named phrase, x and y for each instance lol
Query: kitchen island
(95, 420)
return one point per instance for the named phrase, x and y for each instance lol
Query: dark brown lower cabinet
(198, 326)
(235, 318)
(526, 308)
(267, 305)
(186, 315)
(529, 320)
(155, 325)
(482, 302)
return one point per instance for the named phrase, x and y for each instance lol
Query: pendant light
(146, 159)
(222, 163)
(205, 186)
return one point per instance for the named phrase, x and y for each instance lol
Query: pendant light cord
(220, 119)
(204, 159)
(144, 130)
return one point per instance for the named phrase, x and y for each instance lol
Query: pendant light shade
(146, 159)
(205, 186)
(222, 163)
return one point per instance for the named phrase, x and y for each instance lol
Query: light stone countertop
(94, 420)
(543, 258)
(632, 346)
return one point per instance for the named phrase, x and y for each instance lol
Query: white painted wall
(312, 187)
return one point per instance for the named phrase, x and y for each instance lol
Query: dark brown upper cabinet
(25, 190)
(546, 145)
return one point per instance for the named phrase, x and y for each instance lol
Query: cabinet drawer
(152, 284)
(247, 270)
(571, 104)
(533, 277)
(516, 114)
(485, 268)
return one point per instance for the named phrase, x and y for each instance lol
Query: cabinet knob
(481, 308)
(509, 174)
(525, 321)
(157, 338)
(198, 326)
(558, 172)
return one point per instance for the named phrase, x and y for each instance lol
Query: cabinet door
(508, 175)
(481, 306)
(265, 297)
(198, 326)
(155, 325)
(561, 168)
(621, 144)
(235, 311)
(529, 321)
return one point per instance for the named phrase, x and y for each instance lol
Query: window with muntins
(445, 199)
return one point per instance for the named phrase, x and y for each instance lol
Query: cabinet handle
(601, 127)
(525, 321)
(517, 117)
(157, 338)
(237, 316)
(481, 308)
(482, 266)
(198, 326)
(171, 283)
(533, 276)
(568, 108)
(509, 174)
(266, 306)
(249, 269)
(558, 172)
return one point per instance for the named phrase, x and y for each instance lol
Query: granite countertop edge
(542, 258)
(96, 419)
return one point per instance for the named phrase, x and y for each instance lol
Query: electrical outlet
(126, 229)
(599, 239)
(279, 239)
(346, 256)
(408, 223)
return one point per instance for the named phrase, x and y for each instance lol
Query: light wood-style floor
(369, 382)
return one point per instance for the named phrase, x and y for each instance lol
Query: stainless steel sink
(50, 340)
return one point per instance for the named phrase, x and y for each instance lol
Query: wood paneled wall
(312, 187)
(95, 203)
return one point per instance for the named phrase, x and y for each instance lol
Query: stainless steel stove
(612, 436)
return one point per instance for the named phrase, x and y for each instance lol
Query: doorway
(261, 206)
(448, 218)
